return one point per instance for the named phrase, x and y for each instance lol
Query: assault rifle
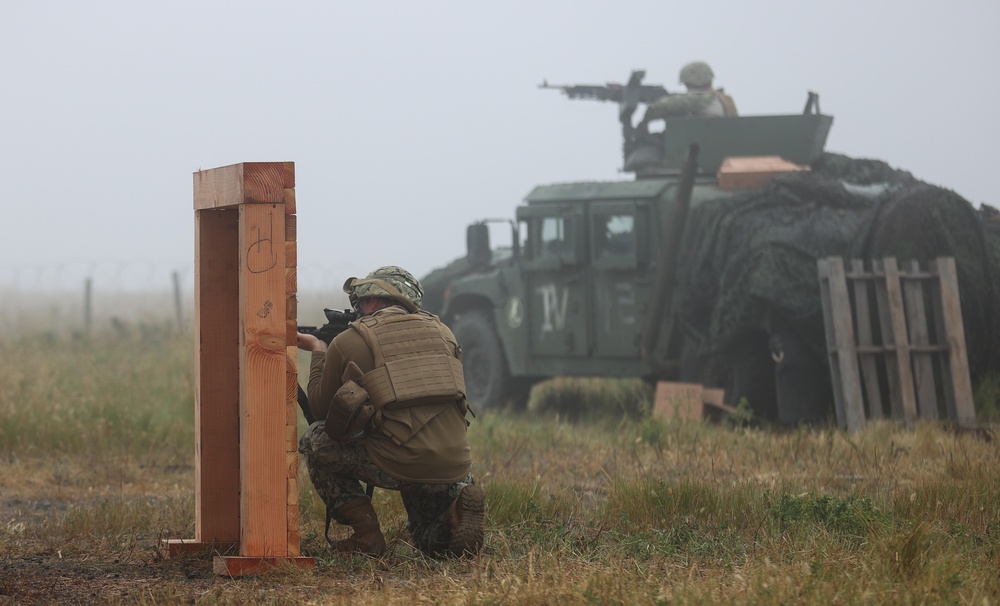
(336, 323)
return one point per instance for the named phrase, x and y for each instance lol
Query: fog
(408, 120)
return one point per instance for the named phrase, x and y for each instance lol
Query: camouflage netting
(751, 257)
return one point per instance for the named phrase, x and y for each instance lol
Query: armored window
(618, 234)
(614, 236)
(556, 238)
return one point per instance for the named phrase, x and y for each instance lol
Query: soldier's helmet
(697, 74)
(408, 293)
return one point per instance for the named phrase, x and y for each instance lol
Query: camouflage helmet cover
(697, 74)
(408, 293)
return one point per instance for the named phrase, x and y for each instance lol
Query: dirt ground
(32, 571)
(33, 574)
(50, 579)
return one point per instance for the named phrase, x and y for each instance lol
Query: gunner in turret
(700, 100)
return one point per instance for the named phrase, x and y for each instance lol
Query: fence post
(88, 304)
(179, 310)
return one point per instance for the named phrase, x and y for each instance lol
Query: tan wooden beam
(246, 467)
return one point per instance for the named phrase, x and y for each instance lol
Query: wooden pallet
(895, 341)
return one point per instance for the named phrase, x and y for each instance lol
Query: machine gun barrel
(612, 91)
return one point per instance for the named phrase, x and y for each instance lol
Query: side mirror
(477, 245)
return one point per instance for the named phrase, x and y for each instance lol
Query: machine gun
(627, 96)
(336, 323)
(612, 91)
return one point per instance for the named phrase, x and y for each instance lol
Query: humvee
(600, 278)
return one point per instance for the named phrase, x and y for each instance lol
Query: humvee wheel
(486, 375)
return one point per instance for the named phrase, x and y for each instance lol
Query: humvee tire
(487, 379)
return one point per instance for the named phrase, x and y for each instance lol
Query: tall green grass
(128, 392)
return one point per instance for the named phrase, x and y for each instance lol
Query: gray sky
(408, 120)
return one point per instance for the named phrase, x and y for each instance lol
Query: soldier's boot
(464, 519)
(367, 537)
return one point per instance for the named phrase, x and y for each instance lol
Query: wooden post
(246, 465)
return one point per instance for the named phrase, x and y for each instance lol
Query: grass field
(605, 507)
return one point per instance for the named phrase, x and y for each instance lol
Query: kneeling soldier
(390, 394)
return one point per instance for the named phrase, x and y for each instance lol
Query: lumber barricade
(895, 341)
(246, 459)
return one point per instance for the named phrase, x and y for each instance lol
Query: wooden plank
(292, 386)
(293, 540)
(262, 375)
(900, 340)
(715, 408)
(678, 401)
(292, 406)
(217, 382)
(291, 403)
(863, 323)
(823, 270)
(291, 434)
(715, 396)
(294, 537)
(238, 566)
(954, 330)
(245, 183)
(292, 517)
(289, 199)
(172, 548)
(288, 178)
(291, 228)
(885, 326)
(916, 322)
(847, 357)
(291, 299)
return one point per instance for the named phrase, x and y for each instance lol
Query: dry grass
(96, 466)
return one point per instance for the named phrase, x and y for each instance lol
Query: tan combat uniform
(419, 446)
(698, 104)
(420, 440)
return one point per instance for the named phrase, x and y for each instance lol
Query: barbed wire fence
(83, 296)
